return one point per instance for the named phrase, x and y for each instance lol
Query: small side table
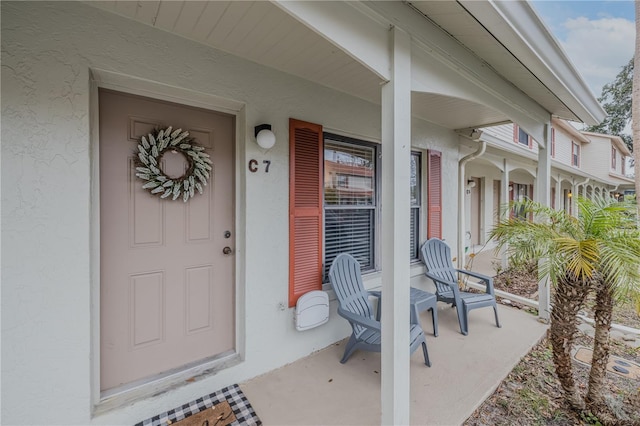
(421, 301)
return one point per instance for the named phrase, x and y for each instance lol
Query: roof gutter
(475, 136)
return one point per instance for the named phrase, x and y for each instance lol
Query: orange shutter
(434, 196)
(305, 208)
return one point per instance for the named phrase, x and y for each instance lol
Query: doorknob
(227, 250)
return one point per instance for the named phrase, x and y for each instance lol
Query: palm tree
(577, 254)
(618, 246)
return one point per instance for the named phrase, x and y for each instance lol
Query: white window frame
(519, 141)
(416, 208)
(376, 206)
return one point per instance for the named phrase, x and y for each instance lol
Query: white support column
(572, 200)
(504, 199)
(559, 194)
(396, 145)
(544, 194)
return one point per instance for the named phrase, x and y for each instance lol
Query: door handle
(227, 250)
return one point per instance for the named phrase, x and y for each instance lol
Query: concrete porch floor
(318, 390)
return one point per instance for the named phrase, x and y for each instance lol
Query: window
(553, 142)
(520, 136)
(334, 203)
(614, 155)
(575, 154)
(350, 200)
(416, 203)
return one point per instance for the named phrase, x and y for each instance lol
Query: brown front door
(166, 287)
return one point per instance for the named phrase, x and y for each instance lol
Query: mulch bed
(531, 393)
(523, 281)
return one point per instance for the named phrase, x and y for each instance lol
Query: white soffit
(258, 31)
(453, 113)
(264, 33)
(533, 62)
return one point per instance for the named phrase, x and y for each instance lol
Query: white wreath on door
(150, 151)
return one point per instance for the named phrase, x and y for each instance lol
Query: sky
(598, 36)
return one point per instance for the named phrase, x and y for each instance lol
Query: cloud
(599, 48)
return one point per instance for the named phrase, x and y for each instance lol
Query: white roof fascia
(518, 27)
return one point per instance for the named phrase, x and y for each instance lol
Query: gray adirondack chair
(354, 306)
(436, 256)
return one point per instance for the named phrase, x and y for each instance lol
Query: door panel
(166, 288)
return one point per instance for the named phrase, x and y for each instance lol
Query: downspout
(475, 136)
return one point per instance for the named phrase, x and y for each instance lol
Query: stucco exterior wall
(48, 50)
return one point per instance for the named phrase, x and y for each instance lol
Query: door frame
(102, 402)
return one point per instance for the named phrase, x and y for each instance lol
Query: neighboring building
(582, 163)
(614, 171)
(118, 305)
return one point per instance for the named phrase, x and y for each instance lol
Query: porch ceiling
(264, 33)
(260, 32)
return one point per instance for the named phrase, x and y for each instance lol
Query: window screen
(523, 137)
(350, 200)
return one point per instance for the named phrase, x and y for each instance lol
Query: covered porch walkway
(318, 390)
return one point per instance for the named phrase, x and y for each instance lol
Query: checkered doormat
(244, 412)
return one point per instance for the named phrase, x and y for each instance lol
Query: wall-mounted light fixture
(471, 183)
(569, 194)
(510, 187)
(264, 136)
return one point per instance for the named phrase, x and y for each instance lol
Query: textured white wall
(47, 52)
